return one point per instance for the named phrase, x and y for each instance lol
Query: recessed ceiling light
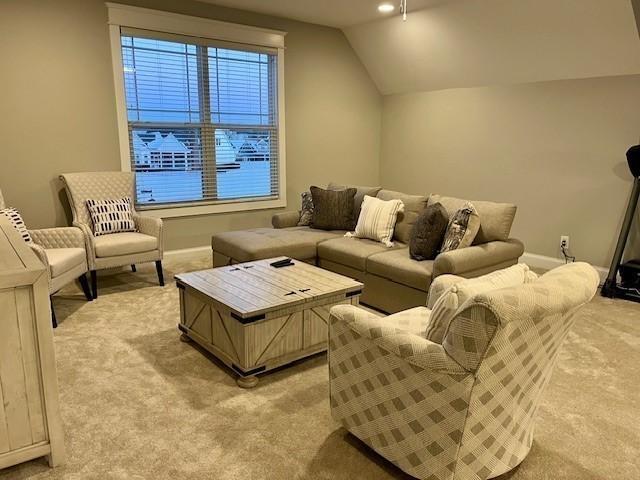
(385, 7)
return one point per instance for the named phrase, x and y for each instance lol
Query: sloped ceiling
(491, 42)
(333, 13)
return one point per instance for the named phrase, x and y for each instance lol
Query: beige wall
(556, 149)
(57, 100)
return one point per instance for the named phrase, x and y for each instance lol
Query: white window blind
(202, 119)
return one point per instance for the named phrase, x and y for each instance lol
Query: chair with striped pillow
(62, 250)
(130, 240)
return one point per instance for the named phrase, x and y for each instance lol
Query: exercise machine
(629, 286)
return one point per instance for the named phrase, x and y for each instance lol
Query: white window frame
(159, 21)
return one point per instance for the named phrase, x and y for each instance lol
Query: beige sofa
(393, 281)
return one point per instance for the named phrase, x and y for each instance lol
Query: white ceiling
(333, 13)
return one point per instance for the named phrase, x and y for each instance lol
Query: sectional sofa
(393, 281)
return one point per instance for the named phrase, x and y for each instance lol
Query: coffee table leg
(185, 338)
(247, 382)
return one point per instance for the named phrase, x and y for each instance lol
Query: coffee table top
(256, 288)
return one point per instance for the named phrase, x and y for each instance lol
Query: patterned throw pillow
(16, 220)
(332, 210)
(306, 213)
(462, 229)
(111, 216)
(449, 303)
(377, 219)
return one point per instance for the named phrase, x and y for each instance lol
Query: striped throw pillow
(111, 216)
(378, 219)
(16, 220)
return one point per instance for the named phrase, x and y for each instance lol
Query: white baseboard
(188, 253)
(547, 263)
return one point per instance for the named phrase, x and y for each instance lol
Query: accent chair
(464, 409)
(62, 250)
(114, 249)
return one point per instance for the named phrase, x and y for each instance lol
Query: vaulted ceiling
(333, 13)
(466, 43)
(487, 42)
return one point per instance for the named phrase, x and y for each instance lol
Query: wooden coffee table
(254, 317)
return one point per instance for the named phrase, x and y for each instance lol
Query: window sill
(173, 212)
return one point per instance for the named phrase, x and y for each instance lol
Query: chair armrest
(42, 256)
(440, 285)
(59, 237)
(285, 219)
(413, 349)
(477, 257)
(150, 226)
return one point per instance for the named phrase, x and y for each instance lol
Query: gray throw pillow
(428, 232)
(361, 191)
(332, 210)
(306, 213)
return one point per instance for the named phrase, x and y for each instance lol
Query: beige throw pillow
(377, 219)
(449, 303)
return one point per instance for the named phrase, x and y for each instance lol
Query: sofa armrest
(59, 237)
(413, 349)
(477, 257)
(285, 219)
(150, 226)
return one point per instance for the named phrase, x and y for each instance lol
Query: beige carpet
(139, 404)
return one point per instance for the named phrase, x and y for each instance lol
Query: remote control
(282, 263)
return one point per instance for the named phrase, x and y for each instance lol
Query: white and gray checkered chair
(62, 250)
(463, 409)
(115, 249)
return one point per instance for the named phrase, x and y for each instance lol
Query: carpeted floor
(139, 404)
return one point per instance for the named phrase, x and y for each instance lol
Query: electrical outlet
(564, 242)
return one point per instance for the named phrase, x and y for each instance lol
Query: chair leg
(85, 287)
(54, 322)
(133, 268)
(160, 274)
(94, 283)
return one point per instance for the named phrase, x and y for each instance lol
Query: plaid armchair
(463, 409)
(116, 249)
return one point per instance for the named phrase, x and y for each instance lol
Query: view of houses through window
(202, 121)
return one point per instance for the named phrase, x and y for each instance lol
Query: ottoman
(260, 243)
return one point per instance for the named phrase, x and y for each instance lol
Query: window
(203, 120)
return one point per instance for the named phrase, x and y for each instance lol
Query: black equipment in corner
(629, 286)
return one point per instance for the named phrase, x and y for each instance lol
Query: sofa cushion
(260, 243)
(332, 210)
(413, 205)
(397, 266)
(61, 260)
(352, 252)
(361, 191)
(414, 320)
(495, 218)
(124, 243)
